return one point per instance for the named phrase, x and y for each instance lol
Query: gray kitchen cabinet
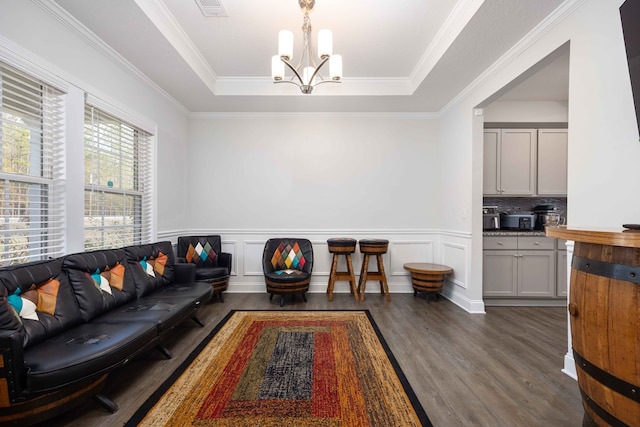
(537, 273)
(552, 162)
(519, 266)
(500, 273)
(490, 165)
(509, 162)
(561, 262)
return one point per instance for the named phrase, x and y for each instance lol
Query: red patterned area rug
(287, 368)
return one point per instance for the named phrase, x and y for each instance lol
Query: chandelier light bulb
(277, 68)
(335, 67)
(285, 44)
(325, 43)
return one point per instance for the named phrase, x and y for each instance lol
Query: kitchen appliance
(517, 221)
(547, 215)
(490, 218)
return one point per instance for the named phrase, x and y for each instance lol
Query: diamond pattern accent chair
(287, 264)
(212, 265)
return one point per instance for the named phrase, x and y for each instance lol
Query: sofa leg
(304, 297)
(198, 321)
(107, 403)
(221, 297)
(281, 300)
(164, 350)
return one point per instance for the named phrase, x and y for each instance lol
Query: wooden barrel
(605, 331)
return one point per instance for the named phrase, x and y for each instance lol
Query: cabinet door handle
(536, 243)
(499, 243)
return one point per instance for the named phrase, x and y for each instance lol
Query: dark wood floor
(497, 369)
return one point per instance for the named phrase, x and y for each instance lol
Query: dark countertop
(531, 233)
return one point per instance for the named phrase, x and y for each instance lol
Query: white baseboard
(570, 366)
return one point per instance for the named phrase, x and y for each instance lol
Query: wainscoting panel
(455, 256)
(402, 252)
(229, 246)
(321, 258)
(252, 258)
(455, 251)
(450, 248)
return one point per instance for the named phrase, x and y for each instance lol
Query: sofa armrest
(12, 374)
(224, 260)
(185, 272)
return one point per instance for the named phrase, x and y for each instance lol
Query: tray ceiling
(409, 56)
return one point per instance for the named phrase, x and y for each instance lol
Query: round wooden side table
(427, 277)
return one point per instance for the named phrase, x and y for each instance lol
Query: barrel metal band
(616, 384)
(607, 269)
(601, 412)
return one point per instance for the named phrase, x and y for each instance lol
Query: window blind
(117, 176)
(32, 190)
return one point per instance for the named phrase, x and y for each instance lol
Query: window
(32, 171)
(117, 177)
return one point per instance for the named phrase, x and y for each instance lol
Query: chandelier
(306, 73)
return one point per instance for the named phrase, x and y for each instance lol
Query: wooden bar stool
(377, 247)
(342, 246)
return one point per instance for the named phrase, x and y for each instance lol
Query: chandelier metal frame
(307, 71)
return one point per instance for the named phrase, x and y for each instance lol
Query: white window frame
(142, 143)
(46, 196)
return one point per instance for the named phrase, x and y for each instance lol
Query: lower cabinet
(519, 266)
(561, 281)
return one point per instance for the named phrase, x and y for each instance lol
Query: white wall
(527, 111)
(33, 36)
(256, 176)
(604, 152)
(288, 172)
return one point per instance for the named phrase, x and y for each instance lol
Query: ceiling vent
(212, 8)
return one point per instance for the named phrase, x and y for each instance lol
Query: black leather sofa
(66, 323)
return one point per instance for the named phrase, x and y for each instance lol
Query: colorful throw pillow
(36, 300)
(288, 257)
(289, 272)
(110, 278)
(154, 265)
(200, 253)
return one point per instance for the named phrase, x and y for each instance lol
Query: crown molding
(160, 15)
(264, 86)
(313, 115)
(547, 24)
(300, 232)
(90, 38)
(457, 20)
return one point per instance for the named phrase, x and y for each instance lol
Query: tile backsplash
(526, 204)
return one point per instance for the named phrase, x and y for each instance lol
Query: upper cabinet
(552, 162)
(509, 162)
(490, 181)
(525, 162)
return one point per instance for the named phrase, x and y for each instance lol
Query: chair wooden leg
(352, 279)
(384, 288)
(362, 285)
(332, 276)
